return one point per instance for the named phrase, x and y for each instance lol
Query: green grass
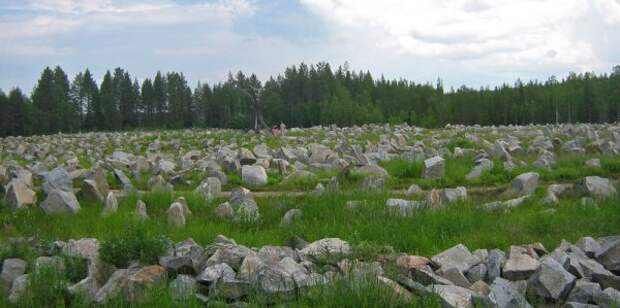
(566, 169)
(425, 233)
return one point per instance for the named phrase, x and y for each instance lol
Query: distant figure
(275, 130)
(282, 129)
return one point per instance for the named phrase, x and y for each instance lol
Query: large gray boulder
(523, 185)
(552, 282)
(60, 202)
(597, 187)
(433, 168)
(254, 175)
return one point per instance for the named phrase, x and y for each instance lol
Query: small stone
(290, 216)
(433, 168)
(111, 205)
(175, 215)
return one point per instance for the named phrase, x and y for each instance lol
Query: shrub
(135, 244)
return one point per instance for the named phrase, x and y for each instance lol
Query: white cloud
(495, 35)
(46, 18)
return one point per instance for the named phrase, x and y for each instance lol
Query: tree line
(304, 95)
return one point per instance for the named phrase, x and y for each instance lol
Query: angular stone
(523, 185)
(433, 168)
(290, 216)
(520, 267)
(597, 187)
(609, 255)
(454, 296)
(19, 195)
(583, 292)
(326, 247)
(552, 282)
(140, 210)
(11, 269)
(458, 257)
(495, 261)
(209, 188)
(402, 207)
(90, 192)
(503, 294)
(182, 288)
(111, 205)
(57, 179)
(254, 175)
(456, 276)
(60, 202)
(175, 215)
(232, 255)
(213, 273)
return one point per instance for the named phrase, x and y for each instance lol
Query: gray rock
(213, 273)
(456, 276)
(290, 216)
(57, 179)
(520, 267)
(60, 202)
(426, 276)
(433, 168)
(583, 292)
(175, 215)
(326, 247)
(254, 175)
(503, 294)
(111, 205)
(140, 210)
(477, 273)
(609, 255)
(20, 285)
(11, 269)
(608, 298)
(90, 192)
(246, 211)
(458, 257)
(209, 188)
(597, 187)
(232, 255)
(523, 185)
(589, 245)
(19, 195)
(552, 282)
(224, 211)
(182, 288)
(607, 280)
(413, 190)
(402, 207)
(454, 296)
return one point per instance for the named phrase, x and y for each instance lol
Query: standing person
(282, 128)
(275, 130)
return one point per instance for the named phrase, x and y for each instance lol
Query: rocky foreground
(583, 274)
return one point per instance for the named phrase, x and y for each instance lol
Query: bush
(136, 244)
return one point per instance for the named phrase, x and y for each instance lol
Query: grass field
(368, 228)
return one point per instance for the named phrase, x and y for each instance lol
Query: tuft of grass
(137, 243)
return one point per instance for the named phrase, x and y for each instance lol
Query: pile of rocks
(584, 274)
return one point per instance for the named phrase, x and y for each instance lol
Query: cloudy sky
(471, 42)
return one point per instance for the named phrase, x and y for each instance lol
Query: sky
(464, 42)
